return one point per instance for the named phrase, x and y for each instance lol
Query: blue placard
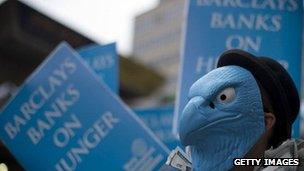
(265, 28)
(64, 118)
(103, 59)
(160, 121)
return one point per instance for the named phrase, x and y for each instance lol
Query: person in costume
(244, 108)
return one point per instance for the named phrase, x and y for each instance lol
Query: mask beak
(190, 119)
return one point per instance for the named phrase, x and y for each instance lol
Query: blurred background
(148, 35)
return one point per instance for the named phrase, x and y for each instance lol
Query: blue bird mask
(223, 119)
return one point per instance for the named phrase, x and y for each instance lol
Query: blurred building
(157, 41)
(28, 36)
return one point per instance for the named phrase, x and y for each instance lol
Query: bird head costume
(224, 116)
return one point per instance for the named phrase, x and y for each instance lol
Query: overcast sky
(103, 21)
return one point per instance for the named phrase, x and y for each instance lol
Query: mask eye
(226, 96)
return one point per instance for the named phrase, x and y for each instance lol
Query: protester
(245, 108)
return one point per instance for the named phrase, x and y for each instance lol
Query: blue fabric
(217, 131)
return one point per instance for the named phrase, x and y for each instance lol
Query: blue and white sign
(160, 121)
(64, 118)
(265, 28)
(104, 61)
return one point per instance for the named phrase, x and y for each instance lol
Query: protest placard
(103, 59)
(159, 119)
(64, 118)
(270, 28)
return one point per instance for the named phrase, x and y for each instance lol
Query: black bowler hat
(277, 83)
